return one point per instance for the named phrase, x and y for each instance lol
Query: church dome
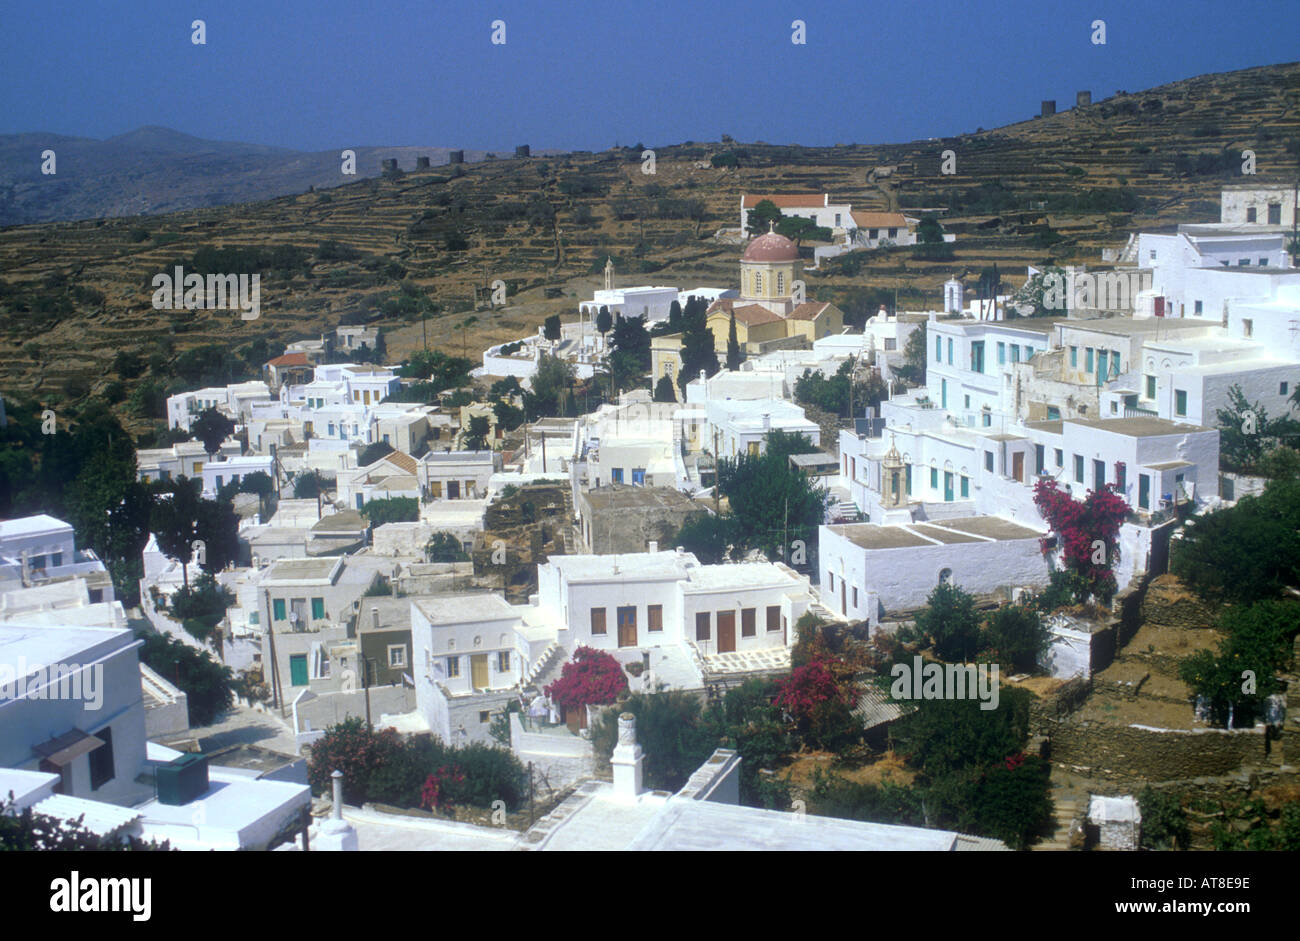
(771, 247)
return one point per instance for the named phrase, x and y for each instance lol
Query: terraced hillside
(74, 294)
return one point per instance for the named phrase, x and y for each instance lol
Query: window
(484, 716)
(934, 478)
(702, 626)
(967, 402)
(1088, 359)
(101, 760)
(1243, 262)
(1040, 458)
(1151, 387)
(1060, 457)
(1250, 214)
(453, 667)
(1281, 388)
(774, 616)
(780, 282)
(830, 580)
(1074, 357)
(977, 356)
(655, 615)
(1151, 255)
(397, 655)
(1121, 475)
(748, 627)
(317, 608)
(1015, 353)
(1180, 402)
(616, 475)
(97, 596)
(758, 282)
(1053, 414)
(988, 419)
(1274, 213)
(988, 461)
(1197, 307)
(503, 661)
(638, 476)
(277, 609)
(598, 620)
(1247, 328)
(950, 352)
(965, 486)
(1078, 468)
(855, 596)
(938, 349)
(1263, 262)
(1144, 491)
(1002, 354)
(891, 343)
(893, 233)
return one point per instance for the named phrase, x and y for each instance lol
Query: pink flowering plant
(1086, 529)
(591, 678)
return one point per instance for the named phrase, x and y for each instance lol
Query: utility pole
(276, 698)
(717, 462)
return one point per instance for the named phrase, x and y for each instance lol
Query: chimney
(627, 761)
(421, 163)
(767, 422)
(702, 376)
(1049, 107)
(374, 618)
(1082, 99)
(654, 546)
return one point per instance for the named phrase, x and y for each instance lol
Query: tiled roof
(879, 220)
(790, 201)
(808, 310)
(289, 359)
(752, 315)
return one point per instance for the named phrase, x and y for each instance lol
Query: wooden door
(478, 671)
(1018, 466)
(627, 627)
(726, 631)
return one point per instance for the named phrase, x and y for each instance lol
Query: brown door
(627, 627)
(1018, 466)
(844, 606)
(726, 631)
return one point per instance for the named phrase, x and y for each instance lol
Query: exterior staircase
(1065, 809)
(540, 672)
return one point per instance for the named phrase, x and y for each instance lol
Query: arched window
(758, 283)
(945, 576)
(780, 282)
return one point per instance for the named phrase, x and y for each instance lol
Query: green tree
(947, 735)
(629, 358)
(1019, 637)
(392, 510)
(929, 232)
(373, 452)
(309, 484)
(797, 229)
(1044, 293)
(773, 503)
(1246, 432)
(951, 622)
(211, 427)
(1243, 553)
(444, 547)
(699, 349)
(1257, 644)
(28, 830)
(762, 217)
(707, 536)
(733, 345)
(550, 383)
(915, 357)
(174, 521)
(604, 321)
(207, 683)
(1164, 822)
(476, 435)
(551, 328)
(664, 389)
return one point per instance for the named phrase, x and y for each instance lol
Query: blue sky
(573, 74)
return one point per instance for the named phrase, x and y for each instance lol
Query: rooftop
(1137, 427)
(645, 565)
(946, 532)
(621, 498)
(32, 525)
(464, 607)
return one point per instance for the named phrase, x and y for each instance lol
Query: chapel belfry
(609, 273)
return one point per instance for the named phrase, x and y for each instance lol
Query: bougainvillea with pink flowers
(591, 678)
(436, 793)
(1082, 527)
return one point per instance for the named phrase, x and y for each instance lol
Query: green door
(947, 486)
(298, 669)
(943, 393)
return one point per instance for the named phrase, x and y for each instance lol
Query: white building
(36, 549)
(217, 474)
(456, 475)
(74, 746)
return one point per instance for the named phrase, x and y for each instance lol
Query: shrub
(668, 728)
(946, 735)
(819, 701)
(392, 510)
(207, 683)
(1164, 823)
(951, 623)
(358, 751)
(591, 678)
(1018, 636)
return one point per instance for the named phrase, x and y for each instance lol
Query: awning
(68, 747)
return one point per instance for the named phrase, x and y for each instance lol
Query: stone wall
(1135, 755)
(1169, 603)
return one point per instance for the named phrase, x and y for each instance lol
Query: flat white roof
(32, 525)
(40, 647)
(647, 565)
(465, 608)
(97, 817)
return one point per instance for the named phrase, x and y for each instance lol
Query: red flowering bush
(591, 678)
(818, 698)
(1087, 531)
(438, 787)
